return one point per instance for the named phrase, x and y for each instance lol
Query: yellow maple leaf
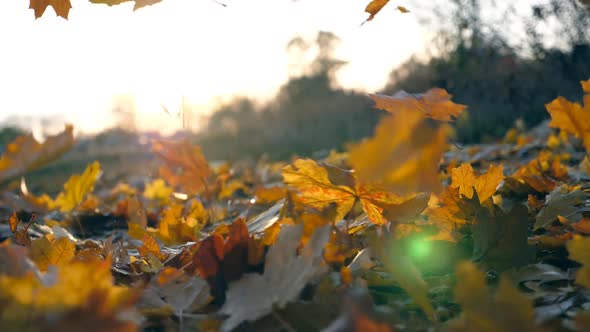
(571, 117)
(579, 251)
(320, 186)
(435, 103)
(315, 187)
(61, 7)
(158, 190)
(508, 310)
(26, 154)
(463, 177)
(76, 188)
(150, 246)
(47, 251)
(402, 156)
(185, 165)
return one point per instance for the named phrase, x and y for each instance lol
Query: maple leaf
(185, 165)
(319, 186)
(435, 103)
(317, 189)
(176, 228)
(508, 310)
(150, 246)
(158, 190)
(561, 201)
(402, 156)
(48, 250)
(572, 117)
(500, 238)
(579, 249)
(285, 275)
(485, 185)
(26, 154)
(76, 188)
(61, 7)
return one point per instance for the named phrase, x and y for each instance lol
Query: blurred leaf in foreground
(26, 154)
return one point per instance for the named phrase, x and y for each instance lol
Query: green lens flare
(420, 248)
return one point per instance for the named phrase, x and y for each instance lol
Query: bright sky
(194, 48)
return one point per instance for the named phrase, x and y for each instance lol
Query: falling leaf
(561, 201)
(185, 165)
(402, 156)
(579, 251)
(402, 9)
(25, 154)
(48, 251)
(508, 310)
(77, 187)
(285, 275)
(434, 103)
(485, 185)
(61, 7)
(571, 117)
(375, 7)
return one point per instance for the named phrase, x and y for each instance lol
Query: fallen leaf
(76, 188)
(561, 201)
(508, 310)
(485, 185)
(285, 275)
(571, 117)
(25, 154)
(579, 251)
(150, 246)
(158, 191)
(47, 251)
(435, 103)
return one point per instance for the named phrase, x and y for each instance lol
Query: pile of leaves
(404, 231)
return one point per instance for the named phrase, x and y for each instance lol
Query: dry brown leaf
(562, 201)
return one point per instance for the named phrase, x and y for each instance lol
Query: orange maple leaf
(319, 186)
(572, 117)
(435, 103)
(61, 7)
(375, 7)
(186, 166)
(463, 177)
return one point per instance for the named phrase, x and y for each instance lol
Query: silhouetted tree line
(500, 77)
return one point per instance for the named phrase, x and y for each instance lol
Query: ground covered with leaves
(405, 231)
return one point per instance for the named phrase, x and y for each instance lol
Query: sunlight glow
(197, 49)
